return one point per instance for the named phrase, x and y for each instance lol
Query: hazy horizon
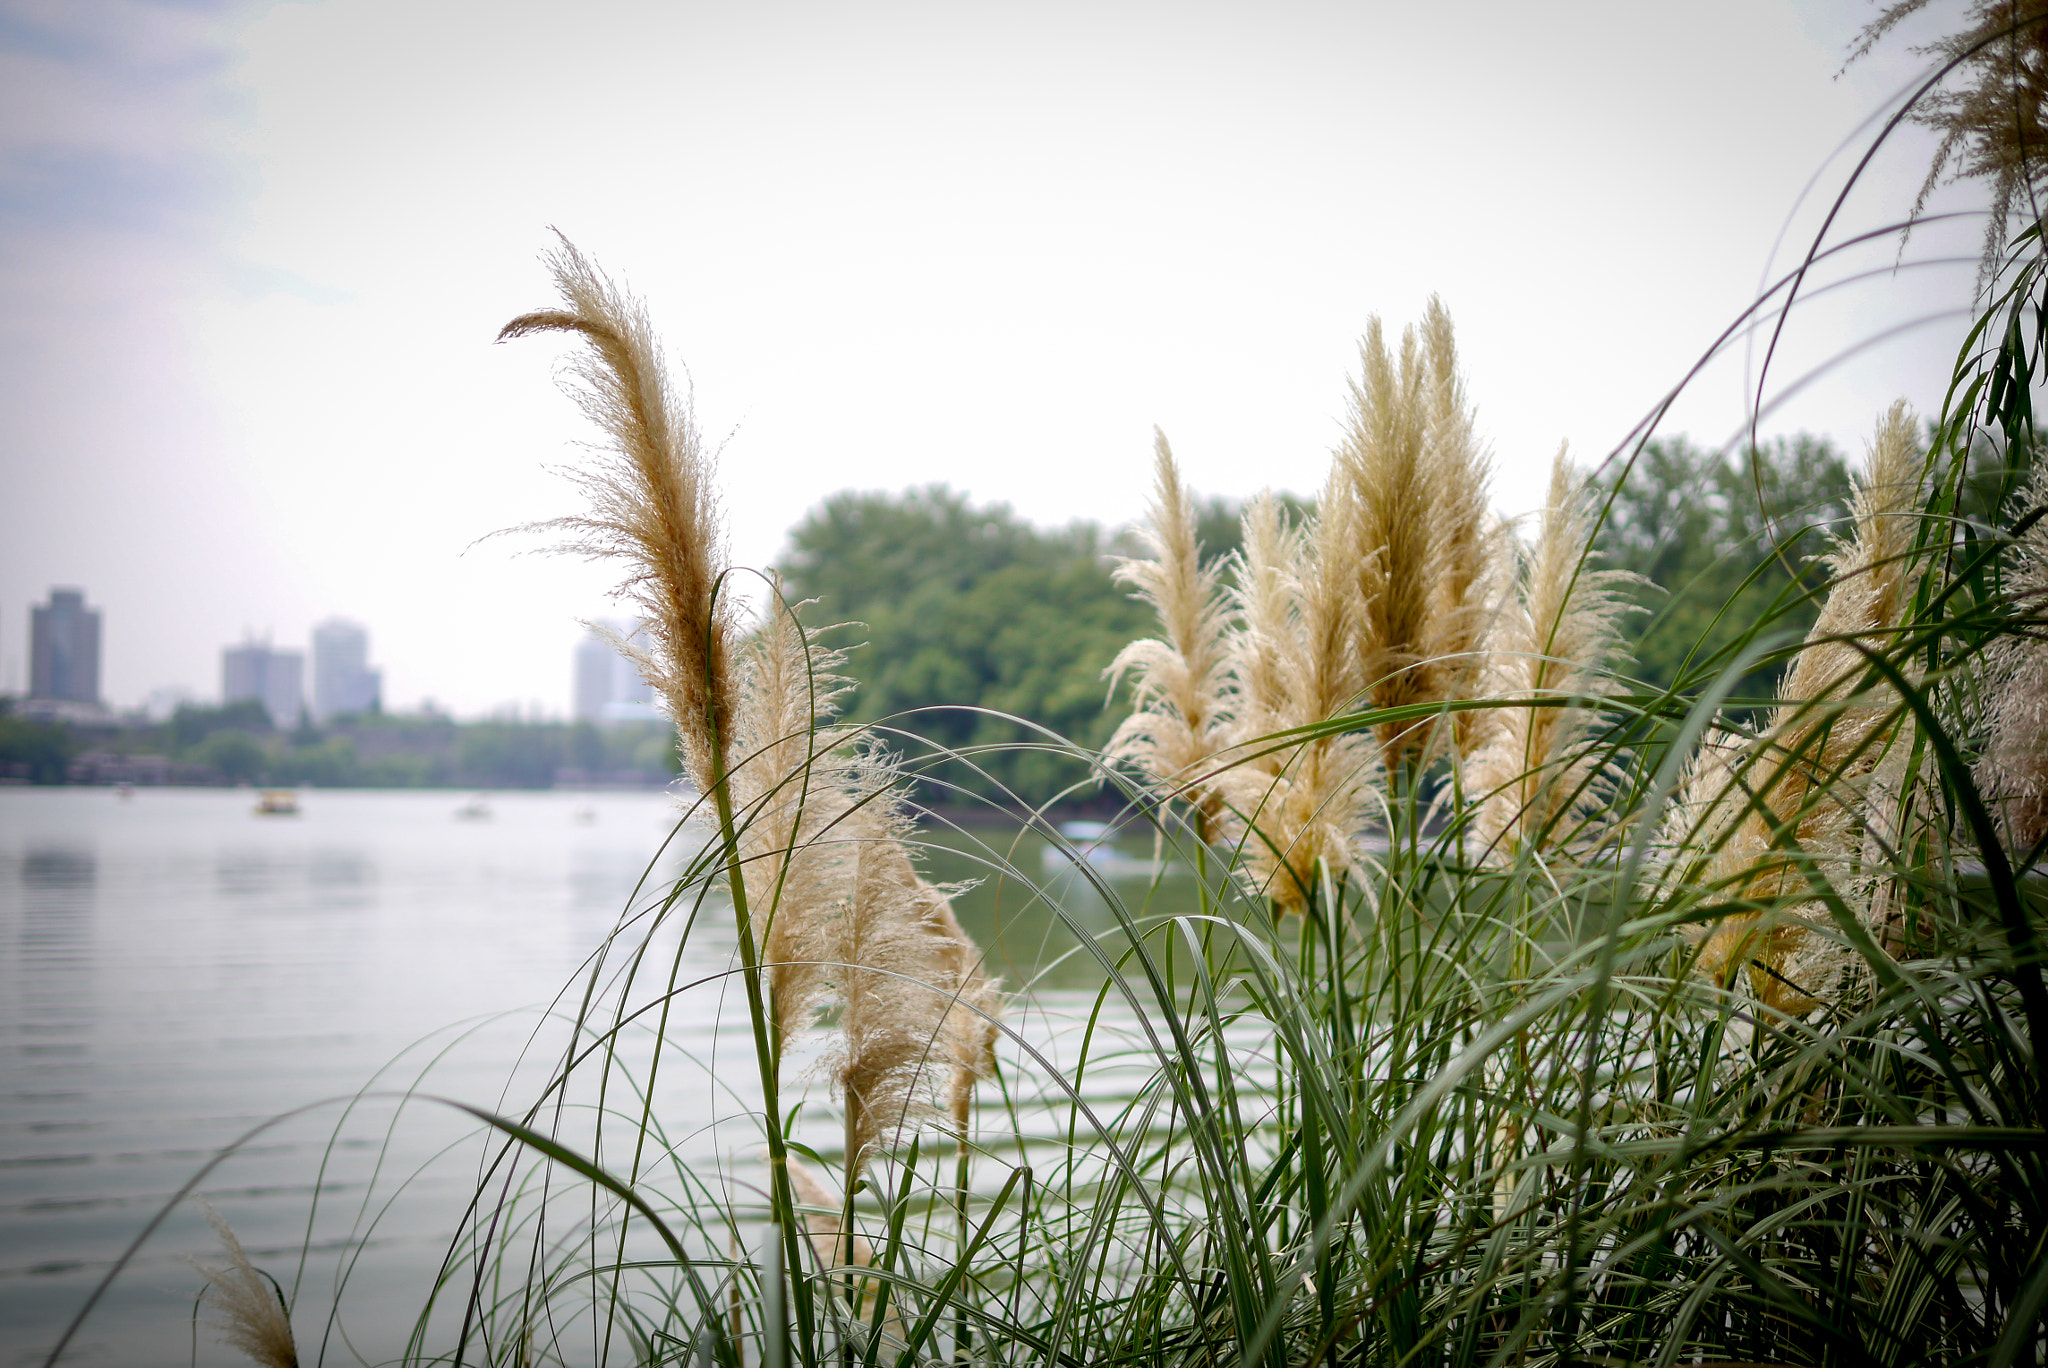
(257, 251)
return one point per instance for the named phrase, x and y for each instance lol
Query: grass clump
(1517, 1011)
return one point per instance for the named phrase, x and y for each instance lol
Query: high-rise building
(64, 649)
(608, 686)
(273, 678)
(343, 681)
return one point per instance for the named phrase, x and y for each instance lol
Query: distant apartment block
(609, 688)
(343, 681)
(64, 649)
(276, 679)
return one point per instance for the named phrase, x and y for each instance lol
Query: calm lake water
(176, 971)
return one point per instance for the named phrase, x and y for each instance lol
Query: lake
(176, 971)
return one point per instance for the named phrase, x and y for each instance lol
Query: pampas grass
(1793, 807)
(827, 901)
(1411, 483)
(1383, 598)
(1178, 679)
(1295, 808)
(1558, 637)
(1457, 1112)
(652, 503)
(2013, 771)
(249, 1310)
(1992, 128)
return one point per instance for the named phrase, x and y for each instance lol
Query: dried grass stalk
(249, 1311)
(792, 784)
(1558, 636)
(907, 980)
(1808, 774)
(652, 504)
(837, 1247)
(1178, 698)
(1991, 121)
(2012, 773)
(819, 834)
(834, 1245)
(1296, 808)
(1428, 566)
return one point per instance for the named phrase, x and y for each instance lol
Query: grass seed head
(652, 503)
(1427, 561)
(248, 1311)
(1178, 700)
(2012, 774)
(1559, 635)
(1796, 803)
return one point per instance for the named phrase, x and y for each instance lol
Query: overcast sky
(253, 256)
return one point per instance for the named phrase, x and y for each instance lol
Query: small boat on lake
(477, 809)
(277, 803)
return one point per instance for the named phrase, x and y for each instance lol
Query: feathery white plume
(1556, 637)
(1177, 719)
(249, 1312)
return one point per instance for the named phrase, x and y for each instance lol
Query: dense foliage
(34, 752)
(981, 631)
(973, 618)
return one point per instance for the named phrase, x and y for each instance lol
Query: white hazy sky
(253, 254)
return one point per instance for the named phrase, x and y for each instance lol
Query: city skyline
(357, 687)
(63, 641)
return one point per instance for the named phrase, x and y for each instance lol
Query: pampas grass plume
(2013, 771)
(652, 505)
(1810, 769)
(903, 969)
(1990, 120)
(1295, 808)
(1427, 564)
(833, 1245)
(793, 785)
(249, 1312)
(1178, 705)
(1558, 636)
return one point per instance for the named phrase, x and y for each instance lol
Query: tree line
(238, 744)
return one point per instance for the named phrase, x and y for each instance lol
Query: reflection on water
(329, 876)
(59, 867)
(50, 985)
(1031, 894)
(341, 869)
(58, 884)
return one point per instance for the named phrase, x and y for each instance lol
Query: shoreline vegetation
(1536, 998)
(238, 745)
